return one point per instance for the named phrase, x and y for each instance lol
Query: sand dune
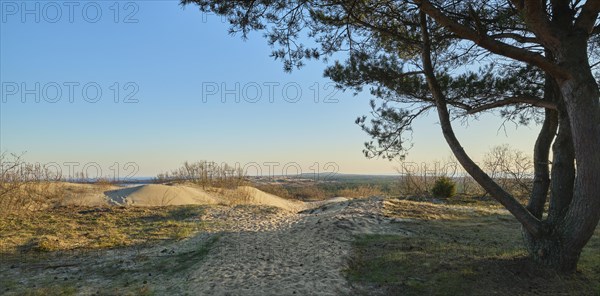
(159, 195)
(84, 194)
(173, 195)
(258, 197)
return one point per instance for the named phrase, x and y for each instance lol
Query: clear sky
(143, 82)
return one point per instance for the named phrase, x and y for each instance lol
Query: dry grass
(29, 196)
(361, 191)
(318, 192)
(460, 250)
(449, 210)
(233, 196)
(70, 228)
(275, 189)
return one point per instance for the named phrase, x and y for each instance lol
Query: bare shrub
(419, 179)
(206, 174)
(467, 186)
(25, 186)
(510, 168)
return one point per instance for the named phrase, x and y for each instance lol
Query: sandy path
(303, 257)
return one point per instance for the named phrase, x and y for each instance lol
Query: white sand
(160, 195)
(304, 256)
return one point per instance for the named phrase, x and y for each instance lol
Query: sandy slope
(85, 194)
(258, 197)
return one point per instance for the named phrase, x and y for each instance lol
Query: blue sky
(175, 64)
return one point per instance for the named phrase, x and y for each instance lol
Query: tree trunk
(581, 96)
(575, 198)
(563, 171)
(541, 152)
(550, 249)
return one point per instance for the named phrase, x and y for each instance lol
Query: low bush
(444, 187)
